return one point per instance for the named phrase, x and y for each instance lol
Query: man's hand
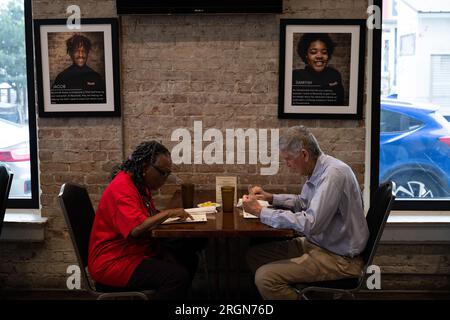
(178, 213)
(251, 205)
(260, 194)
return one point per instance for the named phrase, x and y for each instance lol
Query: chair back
(376, 218)
(79, 215)
(6, 178)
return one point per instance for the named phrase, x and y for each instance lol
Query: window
(394, 8)
(410, 128)
(386, 56)
(17, 116)
(407, 45)
(393, 122)
(440, 82)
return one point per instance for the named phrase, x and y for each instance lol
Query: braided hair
(145, 154)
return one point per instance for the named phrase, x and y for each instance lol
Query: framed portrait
(77, 69)
(321, 68)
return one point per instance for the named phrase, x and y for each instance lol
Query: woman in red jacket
(122, 254)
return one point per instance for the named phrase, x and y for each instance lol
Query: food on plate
(208, 204)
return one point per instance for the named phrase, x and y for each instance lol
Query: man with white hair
(328, 213)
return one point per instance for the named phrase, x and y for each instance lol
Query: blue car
(414, 149)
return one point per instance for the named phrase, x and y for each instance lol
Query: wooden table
(227, 225)
(221, 224)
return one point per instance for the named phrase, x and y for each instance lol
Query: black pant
(171, 279)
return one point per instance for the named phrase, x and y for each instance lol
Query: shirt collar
(318, 169)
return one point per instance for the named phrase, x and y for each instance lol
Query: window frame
(401, 205)
(32, 203)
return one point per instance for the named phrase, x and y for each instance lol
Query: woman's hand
(260, 194)
(154, 221)
(177, 213)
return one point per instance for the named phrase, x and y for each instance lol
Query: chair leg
(340, 295)
(303, 297)
(298, 289)
(336, 294)
(122, 295)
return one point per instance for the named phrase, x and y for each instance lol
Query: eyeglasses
(165, 174)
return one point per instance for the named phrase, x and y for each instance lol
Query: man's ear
(306, 155)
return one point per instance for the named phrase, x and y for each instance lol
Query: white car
(15, 153)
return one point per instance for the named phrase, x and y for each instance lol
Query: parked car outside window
(415, 149)
(15, 153)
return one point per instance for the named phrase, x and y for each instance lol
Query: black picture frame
(324, 88)
(67, 90)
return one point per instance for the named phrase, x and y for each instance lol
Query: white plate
(247, 215)
(262, 203)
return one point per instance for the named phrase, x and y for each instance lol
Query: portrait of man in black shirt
(78, 83)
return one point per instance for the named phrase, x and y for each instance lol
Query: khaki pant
(278, 265)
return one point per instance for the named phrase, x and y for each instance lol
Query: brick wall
(222, 70)
(414, 266)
